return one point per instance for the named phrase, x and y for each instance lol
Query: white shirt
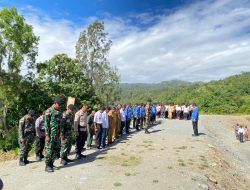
(166, 107)
(178, 108)
(186, 110)
(158, 108)
(98, 117)
(241, 130)
(123, 116)
(105, 120)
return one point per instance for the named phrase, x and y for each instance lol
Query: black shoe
(42, 156)
(54, 167)
(69, 160)
(26, 161)
(83, 156)
(194, 135)
(38, 158)
(146, 131)
(78, 157)
(49, 169)
(21, 162)
(64, 162)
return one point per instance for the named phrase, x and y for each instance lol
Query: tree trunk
(5, 109)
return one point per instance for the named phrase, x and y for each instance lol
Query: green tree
(92, 51)
(18, 44)
(62, 76)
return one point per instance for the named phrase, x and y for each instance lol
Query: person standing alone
(195, 118)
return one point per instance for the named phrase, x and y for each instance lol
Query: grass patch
(117, 184)
(170, 167)
(155, 181)
(226, 162)
(151, 149)
(181, 148)
(124, 160)
(9, 155)
(128, 174)
(181, 162)
(34, 167)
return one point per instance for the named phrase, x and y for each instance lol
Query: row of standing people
(55, 130)
(175, 111)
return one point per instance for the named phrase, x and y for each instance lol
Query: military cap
(31, 113)
(59, 100)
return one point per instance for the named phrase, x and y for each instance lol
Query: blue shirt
(153, 110)
(128, 113)
(142, 112)
(135, 111)
(195, 114)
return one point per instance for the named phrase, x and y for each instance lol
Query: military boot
(48, 168)
(146, 131)
(69, 160)
(64, 162)
(21, 162)
(41, 155)
(53, 166)
(26, 161)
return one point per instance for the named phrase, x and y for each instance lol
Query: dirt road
(168, 158)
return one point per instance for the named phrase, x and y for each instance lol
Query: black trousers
(134, 122)
(195, 127)
(166, 114)
(98, 135)
(123, 123)
(127, 125)
(39, 145)
(80, 141)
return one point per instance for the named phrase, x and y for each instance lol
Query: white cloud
(204, 41)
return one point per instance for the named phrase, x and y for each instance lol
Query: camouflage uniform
(52, 125)
(148, 111)
(27, 133)
(66, 131)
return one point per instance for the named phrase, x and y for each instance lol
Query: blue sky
(75, 10)
(153, 40)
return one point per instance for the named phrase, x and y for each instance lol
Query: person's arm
(95, 119)
(21, 130)
(37, 126)
(63, 125)
(76, 121)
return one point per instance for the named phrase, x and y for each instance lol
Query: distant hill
(228, 96)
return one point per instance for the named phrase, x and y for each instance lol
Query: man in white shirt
(186, 112)
(81, 132)
(123, 119)
(105, 126)
(98, 128)
(241, 133)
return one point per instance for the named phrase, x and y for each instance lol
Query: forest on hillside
(228, 96)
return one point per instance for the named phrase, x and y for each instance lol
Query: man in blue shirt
(154, 112)
(134, 111)
(195, 118)
(128, 114)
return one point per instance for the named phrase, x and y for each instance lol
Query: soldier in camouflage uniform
(26, 132)
(148, 111)
(66, 134)
(52, 125)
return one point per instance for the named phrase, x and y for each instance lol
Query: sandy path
(168, 158)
